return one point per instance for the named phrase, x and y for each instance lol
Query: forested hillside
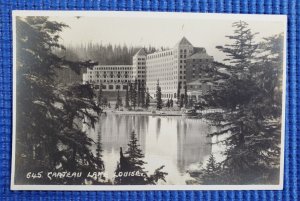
(102, 54)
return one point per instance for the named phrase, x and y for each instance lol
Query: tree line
(104, 54)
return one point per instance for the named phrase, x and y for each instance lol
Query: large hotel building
(177, 66)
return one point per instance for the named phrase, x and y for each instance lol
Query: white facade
(139, 66)
(111, 77)
(169, 68)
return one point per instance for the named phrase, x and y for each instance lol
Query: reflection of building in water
(192, 143)
(114, 137)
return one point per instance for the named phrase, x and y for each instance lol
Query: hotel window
(111, 86)
(117, 86)
(124, 87)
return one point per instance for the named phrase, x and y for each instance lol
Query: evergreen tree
(168, 103)
(133, 94)
(158, 96)
(143, 94)
(118, 101)
(99, 151)
(178, 93)
(211, 172)
(127, 97)
(132, 161)
(138, 93)
(190, 103)
(130, 92)
(181, 102)
(147, 102)
(185, 96)
(48, 136)
(171, 102)
(251, 101)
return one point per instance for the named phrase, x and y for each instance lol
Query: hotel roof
(200, 55)
(141, 52)
(183, 41)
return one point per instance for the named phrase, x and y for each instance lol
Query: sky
(151, 29)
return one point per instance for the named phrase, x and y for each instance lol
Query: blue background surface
(292, 161)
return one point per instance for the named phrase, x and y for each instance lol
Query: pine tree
(252, 108)
(132, 161)
(134, 153)
(168, 103)
(171, 102)
(118, 101)
(185, 96)
(178, 93)
(130, 92)
(138, 93)
(99, 151)
(143, 94)
(133, 94)
(181, 102)
(190, 103)
(158, 96)
(147, 102)
(211, 172)
(48, 113)
(127, 97)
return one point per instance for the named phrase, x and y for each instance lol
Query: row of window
(111, 87)
(112, 76)
(113, 73)
(158, 55)
(201, 60)
(167, 95)
(115, 81)
(113, 68)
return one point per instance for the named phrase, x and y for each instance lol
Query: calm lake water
(178, 143)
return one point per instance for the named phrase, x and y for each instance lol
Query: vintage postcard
(148, 101)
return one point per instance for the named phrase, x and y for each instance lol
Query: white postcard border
(208, 16)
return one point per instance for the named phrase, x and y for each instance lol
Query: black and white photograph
(148, 101)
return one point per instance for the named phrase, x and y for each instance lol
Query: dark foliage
(49, 135)
(132, 165)
(159, 103)
(250, 98)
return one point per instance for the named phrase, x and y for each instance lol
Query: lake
(178, 143)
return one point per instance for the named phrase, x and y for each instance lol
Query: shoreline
(159, 113)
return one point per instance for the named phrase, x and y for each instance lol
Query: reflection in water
(175, 142)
